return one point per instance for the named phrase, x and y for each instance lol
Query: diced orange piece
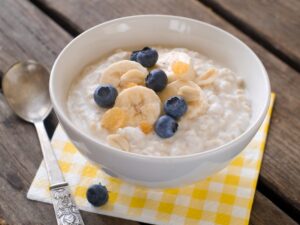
(113, 119)
(180, 67)
(146, 127)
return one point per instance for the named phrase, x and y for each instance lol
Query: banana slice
(207, 78)
(118, 141)
(112, 74)
(196, 108)
(191, 92)
(140, 104)
(132, 76)
(182, 66)
(172, 78)
(173, 88)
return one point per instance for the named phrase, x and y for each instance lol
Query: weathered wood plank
(266, 213)
(280, 170)
(25, 33)
(273, 22)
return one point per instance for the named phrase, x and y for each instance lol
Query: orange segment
(146, 127)
(180, 67)
(113, 119)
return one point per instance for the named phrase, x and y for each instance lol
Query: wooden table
(39, 29)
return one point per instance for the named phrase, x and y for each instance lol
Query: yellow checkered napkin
(224, 198)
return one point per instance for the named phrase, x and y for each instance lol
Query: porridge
(159, 101)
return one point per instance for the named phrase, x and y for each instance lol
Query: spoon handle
(66, 211)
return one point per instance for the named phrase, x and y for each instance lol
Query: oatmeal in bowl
(179, 103)
(174, 110)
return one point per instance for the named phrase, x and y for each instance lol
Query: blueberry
(105, 95)
(156, 80)
(97, 195)
(166, 126)
(133, 56)
(175, 107)
(147, 57)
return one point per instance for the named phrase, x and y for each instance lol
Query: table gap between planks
(42, 39)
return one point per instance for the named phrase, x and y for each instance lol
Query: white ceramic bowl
(149, 30)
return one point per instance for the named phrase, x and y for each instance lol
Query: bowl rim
(255, 125)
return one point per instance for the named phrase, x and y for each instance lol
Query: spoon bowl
(25, 86)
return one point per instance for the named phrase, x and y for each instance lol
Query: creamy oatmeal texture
(226, 116)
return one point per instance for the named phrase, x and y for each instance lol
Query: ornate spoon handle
(66, 211)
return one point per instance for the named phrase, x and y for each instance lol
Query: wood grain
(266, 213)
(281, 170)
(25, 32)
(275, 21)
(3, 222)
(41, 39)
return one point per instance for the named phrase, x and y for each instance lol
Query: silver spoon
(25, 86)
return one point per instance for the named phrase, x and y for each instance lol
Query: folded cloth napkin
(223, 198)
